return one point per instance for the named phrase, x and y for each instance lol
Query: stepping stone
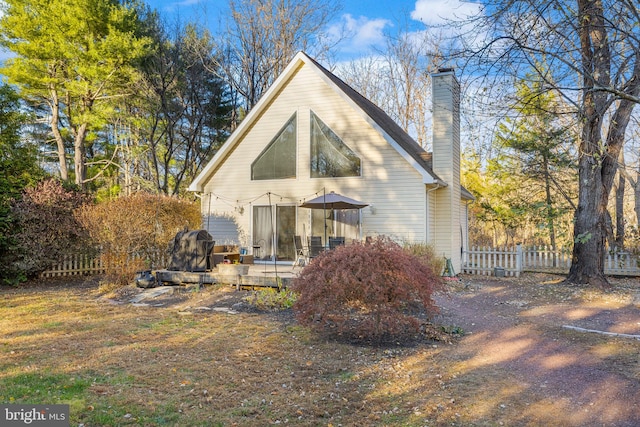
(152, 293)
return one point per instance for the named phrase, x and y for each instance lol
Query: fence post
(518, 259)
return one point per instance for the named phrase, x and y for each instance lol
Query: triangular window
(278, 160)
(330, 157)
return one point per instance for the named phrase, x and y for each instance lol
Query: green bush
(375, 292)
(134, 231)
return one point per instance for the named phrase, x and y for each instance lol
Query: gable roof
(383, 122)
(406, 146)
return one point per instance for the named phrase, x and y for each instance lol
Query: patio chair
(302, 257)
(335, 241)
(315, 246)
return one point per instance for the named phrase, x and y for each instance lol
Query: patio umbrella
(332, 201)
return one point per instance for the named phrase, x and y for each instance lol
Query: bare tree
(629, 170)
(262, 36)
(397, 79)
(592, 48)
(619, 190)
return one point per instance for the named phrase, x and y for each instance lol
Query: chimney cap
(445, 69)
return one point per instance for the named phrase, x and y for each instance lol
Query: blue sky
(366, 20)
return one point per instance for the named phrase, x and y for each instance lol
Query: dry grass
(116, 364)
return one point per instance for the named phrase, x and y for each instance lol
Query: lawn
(180, 364)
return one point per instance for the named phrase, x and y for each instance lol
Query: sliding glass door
(274, 226)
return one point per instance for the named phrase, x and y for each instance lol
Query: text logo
(34, 415)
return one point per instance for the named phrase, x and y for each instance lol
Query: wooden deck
(257, 276)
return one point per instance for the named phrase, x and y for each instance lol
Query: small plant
(272, 299)
(374, 292)
(452, 330)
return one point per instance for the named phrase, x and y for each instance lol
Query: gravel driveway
(520, 326)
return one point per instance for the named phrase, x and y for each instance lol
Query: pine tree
(75, 57)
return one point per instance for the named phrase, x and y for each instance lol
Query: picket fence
(516, 260)
(483, 261)
(85, 265)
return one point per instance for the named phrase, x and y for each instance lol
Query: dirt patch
(518, 327)
(206, 357)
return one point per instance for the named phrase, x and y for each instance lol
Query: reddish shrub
(370, 292)
(46, 227)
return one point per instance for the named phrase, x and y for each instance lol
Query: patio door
(285, 230)
(274, 227)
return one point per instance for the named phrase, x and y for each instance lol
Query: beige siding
(388, 182)
(431, 215)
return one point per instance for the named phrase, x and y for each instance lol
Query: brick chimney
(446, 165)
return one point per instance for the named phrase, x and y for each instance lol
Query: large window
(330, 157)
(278, 160)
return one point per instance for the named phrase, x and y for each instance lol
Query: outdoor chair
(302, 257)
(315, 246)
(335, 242)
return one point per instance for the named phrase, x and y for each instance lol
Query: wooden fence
(75, 265)
(515, 260)
(478, 260)
(80, 264)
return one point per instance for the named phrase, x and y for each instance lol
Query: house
(311, 134)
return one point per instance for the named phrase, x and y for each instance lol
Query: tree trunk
(79, 155)
(620, 189)
(636, 193)
(53, 123)
(589, 232)
(549, 208)
(598, 162)
(634, 183)
(587, 262)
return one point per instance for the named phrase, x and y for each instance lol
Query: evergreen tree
(18, 168)
(75, 57)
(535, 152)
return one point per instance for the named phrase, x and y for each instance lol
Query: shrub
(46, 228)
(134, 231)
(272, 299)
(427, 255)
(373, 292)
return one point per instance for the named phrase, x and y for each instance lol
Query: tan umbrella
(332, 201)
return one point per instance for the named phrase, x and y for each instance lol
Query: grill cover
(190, 251)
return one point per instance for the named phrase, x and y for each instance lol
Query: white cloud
(175, 6)
(359, 33)
(438, 12)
